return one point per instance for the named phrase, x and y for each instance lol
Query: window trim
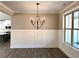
(66, 28)
(72, 28)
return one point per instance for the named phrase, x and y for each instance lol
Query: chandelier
(37, 23)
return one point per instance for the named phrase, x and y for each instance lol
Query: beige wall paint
(23, 21)
(67, 49)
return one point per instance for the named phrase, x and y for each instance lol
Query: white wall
(67, 49)
(34, 39)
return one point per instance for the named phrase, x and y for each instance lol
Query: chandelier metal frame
(37, 23)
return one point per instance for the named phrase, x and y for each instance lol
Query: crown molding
(39, 12)
(6, 7)
(67, 7)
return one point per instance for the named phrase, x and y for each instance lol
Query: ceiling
(51, 7)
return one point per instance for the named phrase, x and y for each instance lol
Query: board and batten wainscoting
(34, 39)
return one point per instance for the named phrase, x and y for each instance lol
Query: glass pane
(76, 19)
(76, 38)
(68, 36)
(69, 21)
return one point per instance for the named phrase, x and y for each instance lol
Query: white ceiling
(51, 7)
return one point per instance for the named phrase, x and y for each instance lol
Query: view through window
(72, 29)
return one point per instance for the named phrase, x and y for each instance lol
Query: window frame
(66, 28)
(72, 28)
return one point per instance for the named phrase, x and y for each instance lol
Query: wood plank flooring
(7, 52)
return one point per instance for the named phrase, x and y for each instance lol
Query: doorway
(5, 27)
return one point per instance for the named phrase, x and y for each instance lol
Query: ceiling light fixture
(37, 23)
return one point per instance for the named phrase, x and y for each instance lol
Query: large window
(72, 29)
(68, 28)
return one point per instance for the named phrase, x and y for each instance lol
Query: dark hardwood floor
(7, 52)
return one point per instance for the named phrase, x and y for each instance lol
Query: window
(68, 28)
(76, 29)
(71, 29)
